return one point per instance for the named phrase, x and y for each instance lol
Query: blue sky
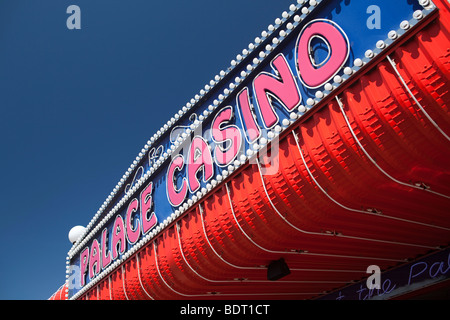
(77, 106)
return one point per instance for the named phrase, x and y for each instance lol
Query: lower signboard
(427, 271)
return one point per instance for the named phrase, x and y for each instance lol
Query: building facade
(315, 167)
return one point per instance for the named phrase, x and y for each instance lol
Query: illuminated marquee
(309, 53)
(279, 86)
(100, 255)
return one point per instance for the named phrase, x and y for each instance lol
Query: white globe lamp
(75, 233)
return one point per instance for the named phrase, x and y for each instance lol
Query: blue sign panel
(424, 272)
(287, 71)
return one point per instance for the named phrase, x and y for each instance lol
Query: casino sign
(323, 149)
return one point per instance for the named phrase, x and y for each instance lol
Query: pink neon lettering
(133, 235)
(146, 206)
(118, 236)
(220, 135)
(94, 260)
(176, 197)
(84, 259)
(106, 255)
(284, 89)
(338, 46)
(199, 157)
(251, 128)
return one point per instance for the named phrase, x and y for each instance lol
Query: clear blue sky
(77, 106)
